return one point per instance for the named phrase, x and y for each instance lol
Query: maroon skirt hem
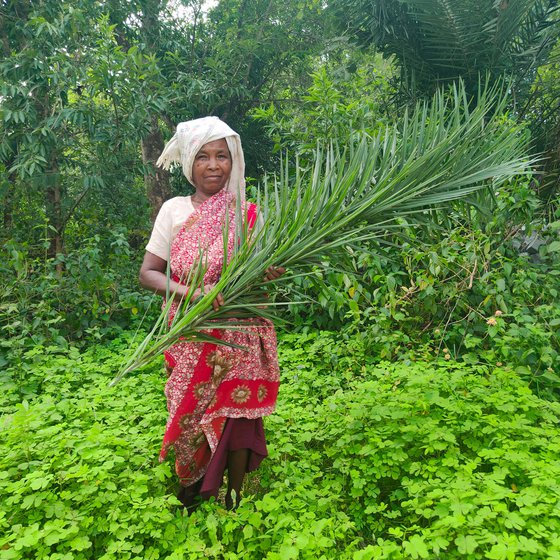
(239, 433)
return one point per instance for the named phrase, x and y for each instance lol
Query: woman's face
(211, 168)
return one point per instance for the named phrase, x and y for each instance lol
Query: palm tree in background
(439, 41)
(436, 42)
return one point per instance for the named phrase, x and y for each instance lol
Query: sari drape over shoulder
(209, 382)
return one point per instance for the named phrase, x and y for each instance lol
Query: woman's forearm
(158, 282)
(153, 277)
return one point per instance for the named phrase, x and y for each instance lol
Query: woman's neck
(198, 199)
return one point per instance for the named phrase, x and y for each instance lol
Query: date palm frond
(440, 152)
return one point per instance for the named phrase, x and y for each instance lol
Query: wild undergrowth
(90, 293)
(461, 294)
(367, 460)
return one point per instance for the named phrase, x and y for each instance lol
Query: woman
(216, 395)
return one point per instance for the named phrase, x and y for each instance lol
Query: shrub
(466, 296)
(96, 295)
(440, 460)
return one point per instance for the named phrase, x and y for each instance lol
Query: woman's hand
(273, 273)
(218, 300)
(153, 277)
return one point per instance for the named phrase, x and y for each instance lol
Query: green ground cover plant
(367, 460)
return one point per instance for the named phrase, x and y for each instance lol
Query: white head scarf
(189, 139)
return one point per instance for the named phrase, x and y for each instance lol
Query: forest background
(419, 410)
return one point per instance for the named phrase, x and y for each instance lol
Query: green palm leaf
(440, 152)
(437, 41)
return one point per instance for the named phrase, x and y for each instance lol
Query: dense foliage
(465, 295)
(418, 416)
(435, 42)
(366, 461)
(96, 297)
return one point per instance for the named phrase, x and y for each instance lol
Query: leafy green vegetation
(418, 415)
(366, 461)
(96, 297)
(440, 153)
(435, 42)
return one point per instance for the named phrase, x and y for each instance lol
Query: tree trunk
(8, 202)
(156, 179)
(54, 214)
(8, 219)
(8, 199)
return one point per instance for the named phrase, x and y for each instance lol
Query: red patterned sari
(210, 383)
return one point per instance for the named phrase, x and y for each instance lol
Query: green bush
(438, 460)
(463, 295)
(95, 295)
(366, 461)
